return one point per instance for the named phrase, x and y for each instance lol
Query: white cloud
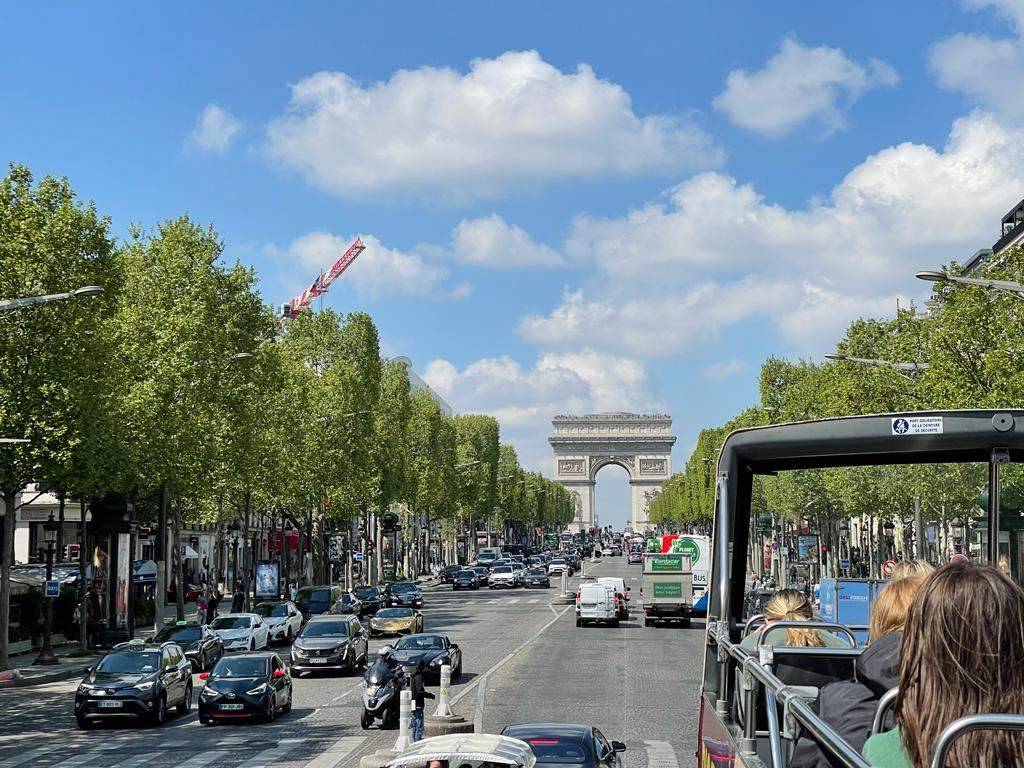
(799, 84)
(723, 369)
(673, 275)
(988, 70)
(214, 130)
(378, 271)
(524, 398)
(491, 241)
(509, 122)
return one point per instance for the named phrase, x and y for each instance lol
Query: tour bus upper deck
(982, 437)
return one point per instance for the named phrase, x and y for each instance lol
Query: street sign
(888, 567)
(844, 564)
(53, 588)
(357, 556)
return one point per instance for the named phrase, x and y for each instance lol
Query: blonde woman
(849, 706)
(791, 605)
(905, 568)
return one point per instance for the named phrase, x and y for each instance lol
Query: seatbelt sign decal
(917, 425)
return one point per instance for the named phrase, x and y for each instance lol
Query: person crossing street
(419, 696)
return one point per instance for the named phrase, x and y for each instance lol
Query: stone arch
(639, 443)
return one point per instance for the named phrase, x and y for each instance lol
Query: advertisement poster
(807, 547)
(267, 579)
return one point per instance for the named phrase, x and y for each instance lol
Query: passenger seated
(962, 654)
(790, 605)
(849, 705)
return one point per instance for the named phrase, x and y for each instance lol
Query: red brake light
(545, 742)
(204, 675)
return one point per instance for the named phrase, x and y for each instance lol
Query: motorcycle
(384, 683)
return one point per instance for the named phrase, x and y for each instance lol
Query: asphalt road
(524, 661)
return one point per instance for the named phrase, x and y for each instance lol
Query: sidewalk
(21, 672)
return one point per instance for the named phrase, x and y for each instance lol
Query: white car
(557, 566)
(283, 620)
(502, 576)
(242, 631)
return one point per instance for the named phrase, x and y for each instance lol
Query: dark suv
(136, 681)
(313, 601)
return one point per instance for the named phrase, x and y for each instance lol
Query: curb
(16, 680)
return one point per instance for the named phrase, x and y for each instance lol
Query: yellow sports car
(396, 621)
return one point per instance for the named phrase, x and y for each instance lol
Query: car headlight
(342, 649)
(144, 686)
(262, 688)
(438, 662)
(296, 651)
(83, 688)
(208, 691)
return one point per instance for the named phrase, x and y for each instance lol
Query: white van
(620, 588)
(596, 602)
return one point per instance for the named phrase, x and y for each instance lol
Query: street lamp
(24, 302)
(50, 528)
(900, 366)
(1001, 286)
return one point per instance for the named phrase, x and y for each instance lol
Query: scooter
(384, 683)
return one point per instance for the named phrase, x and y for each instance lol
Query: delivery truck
(667, 588)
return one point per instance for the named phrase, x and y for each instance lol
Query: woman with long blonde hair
(791, 605)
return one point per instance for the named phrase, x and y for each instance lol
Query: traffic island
(441, 725)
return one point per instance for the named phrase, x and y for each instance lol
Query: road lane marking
(513, 601)
(335, 754)
(534, 601)
(269, 756)
(203, 758)
(25, 757)
(348, 692)
(229, 741)
(508, 657)
(139, 761)
(478, 710)
(660, 754)
(492, 602)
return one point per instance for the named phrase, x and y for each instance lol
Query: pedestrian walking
(201, 609)
(419, 696)
(293, 591)
(212, 601)
(238, 600)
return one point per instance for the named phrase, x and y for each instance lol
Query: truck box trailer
(667, 588)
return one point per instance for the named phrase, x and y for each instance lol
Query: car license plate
(231, 707)
(318, 661)
(110, 704)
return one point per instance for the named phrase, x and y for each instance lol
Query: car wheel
(252, 644)
(615, 622)
(366, 720)
(82, 723)
(288, 636)
(579, 623)
(288, 707)
(457, 674)
(205, 721)
(270, 714)
(160, 715)
(186, 701)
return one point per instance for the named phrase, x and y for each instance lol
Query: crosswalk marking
(660, 754)
(492, 602)
(231, 740)
(534, 601)
(25, 757)
(335, 754)
(80, 759)
(139, 761)
(267, 756)
(204, 758)
(513, 601)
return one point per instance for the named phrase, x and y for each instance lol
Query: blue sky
(569, 206)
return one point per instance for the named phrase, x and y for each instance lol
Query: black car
(433, 650)
(313, 601)
(330, 643)
(467, 578)
(405, 594)
(537, 577)
(555, 744)
(250, 685)
(371, 600)
(202, 646)
(482, 571)
(448, 573)
(351, 604)
(135, 681)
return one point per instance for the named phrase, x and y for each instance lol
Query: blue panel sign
(357, 556)
(53, 588)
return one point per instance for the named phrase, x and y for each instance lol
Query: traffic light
(389, 522)
(71, 552)
(824, 549)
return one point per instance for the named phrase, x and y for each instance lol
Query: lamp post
(903, 368)
(471, 541)
(50, 528)
(24, 302)
(1010, 288)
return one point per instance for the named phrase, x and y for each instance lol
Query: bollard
(565, 583)
(404, 722)
(443, 710)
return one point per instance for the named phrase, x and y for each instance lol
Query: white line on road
(335, 754)
(229, 741)
(347, 692)
(661, 755)
(492, 602)
(534, 601)
(513, 601)
(272, 755)
(203, 758)
(25, 757)
(478, 710)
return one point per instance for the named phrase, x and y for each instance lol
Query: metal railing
(796, 709)
(884, 705)
(966, 725)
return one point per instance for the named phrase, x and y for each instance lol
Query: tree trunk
(60, 531)
(83, 589)
(378, 534)
(6, 559)
(179, 595)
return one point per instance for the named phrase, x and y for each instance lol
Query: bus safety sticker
(917, 425)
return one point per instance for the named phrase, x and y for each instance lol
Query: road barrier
(404, 722)
(443, 708)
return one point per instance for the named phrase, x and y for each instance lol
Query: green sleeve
(886, 750)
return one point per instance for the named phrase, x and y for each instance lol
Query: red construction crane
(324, 281)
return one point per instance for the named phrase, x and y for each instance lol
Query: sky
(568, 207)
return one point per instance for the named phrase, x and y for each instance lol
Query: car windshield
(420, 643)
(537, 572)
(466, 575)
(325, 629)
(178, 634)
(232, 622)
(394, 613)
(556, 750)
(271, 609)
(503, 569)
(130, 662)
(313, 596)
(240, 666)
(366, 593)
(403, 586)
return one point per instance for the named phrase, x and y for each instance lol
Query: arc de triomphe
(639, 443)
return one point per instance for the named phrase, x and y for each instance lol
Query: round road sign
(888, 567)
